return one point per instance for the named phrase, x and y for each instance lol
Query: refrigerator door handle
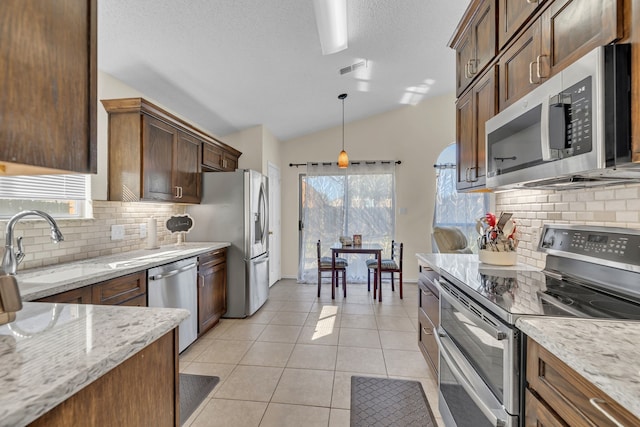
(264, 214)
(262, 258)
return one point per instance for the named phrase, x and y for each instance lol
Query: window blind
(44, 187)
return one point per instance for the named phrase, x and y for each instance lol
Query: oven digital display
(597, 238)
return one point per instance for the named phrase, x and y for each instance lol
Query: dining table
(365, 248)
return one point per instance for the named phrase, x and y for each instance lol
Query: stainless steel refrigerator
(234, 208)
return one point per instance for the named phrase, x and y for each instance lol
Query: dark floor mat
(193, 390)
(388, 402)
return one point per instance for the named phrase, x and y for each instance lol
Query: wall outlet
(117, 232)
(143, 231)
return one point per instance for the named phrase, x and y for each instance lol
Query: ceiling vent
(350, 68)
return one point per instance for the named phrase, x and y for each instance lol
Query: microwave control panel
(570, 119)
(598, 243)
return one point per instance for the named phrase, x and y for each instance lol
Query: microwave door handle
(459, 376)
(544, 130)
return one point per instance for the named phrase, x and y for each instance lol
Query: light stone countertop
(605, 352)
(51, 351)
(54, 279)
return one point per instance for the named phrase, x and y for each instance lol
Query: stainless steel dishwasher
(175, 286)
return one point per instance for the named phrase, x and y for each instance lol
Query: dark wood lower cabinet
(556, 391)
(125, 290)
(212, 289)
(428, 317)
(142, 391)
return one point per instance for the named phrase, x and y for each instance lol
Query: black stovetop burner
(584, 301)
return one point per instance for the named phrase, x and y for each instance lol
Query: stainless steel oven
(589, 272)
(479, 363)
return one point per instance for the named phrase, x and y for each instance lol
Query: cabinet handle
(466, 174)
(531, 73)
(426, 331)
(472, 69)
(596, 402)
(177, 192)
(538, 73)
(532, 1)
(470, 169)
(201, 280)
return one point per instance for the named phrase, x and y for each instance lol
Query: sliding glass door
(342, 202)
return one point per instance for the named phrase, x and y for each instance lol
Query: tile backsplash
(617, 206)
(89, 238)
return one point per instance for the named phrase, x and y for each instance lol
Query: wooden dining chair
(389, 265)
(324, 265)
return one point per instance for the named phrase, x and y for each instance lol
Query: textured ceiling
(231, 64)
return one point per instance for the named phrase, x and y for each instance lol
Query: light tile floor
(290, 364)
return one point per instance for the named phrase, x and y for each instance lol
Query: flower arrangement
(497, 234)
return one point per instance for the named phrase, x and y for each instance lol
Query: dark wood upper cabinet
(48, 70)
(475, 44)
(572, 28)
(154, 155)
(473, 109)
(566, 30)
(520, 67)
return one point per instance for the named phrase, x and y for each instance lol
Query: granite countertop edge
(58, 380)
(30, 291)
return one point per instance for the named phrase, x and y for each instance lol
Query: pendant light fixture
(343, 158)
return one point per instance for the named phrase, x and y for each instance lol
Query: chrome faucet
(11, 259)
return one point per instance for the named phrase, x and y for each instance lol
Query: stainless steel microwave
(574, 130)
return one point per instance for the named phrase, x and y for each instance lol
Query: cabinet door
(74, 296)
(158, 142)
(512, 15)
(229, 162)
(520, 67)
(537, 414)
(483, 28)
(186, 169)
(212, 289)
(465, 140)
(571, 28)
(212, 156)
(48, 70)
(485, 107)
(464, 55)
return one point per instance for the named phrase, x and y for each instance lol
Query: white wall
(258, 146)
(414, 135)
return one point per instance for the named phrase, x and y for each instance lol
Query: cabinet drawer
(212, 259)
(426, 341)
(537, 414)
(120, 290)
(74, 296)
(568, 393)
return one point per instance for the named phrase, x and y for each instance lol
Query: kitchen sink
(64, 275)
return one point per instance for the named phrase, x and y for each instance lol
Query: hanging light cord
(343, 96)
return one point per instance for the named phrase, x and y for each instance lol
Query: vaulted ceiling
(231, 64)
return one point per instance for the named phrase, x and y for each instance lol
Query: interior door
(274, 224)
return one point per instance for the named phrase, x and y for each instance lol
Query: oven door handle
(456, 370)
(497, 334)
